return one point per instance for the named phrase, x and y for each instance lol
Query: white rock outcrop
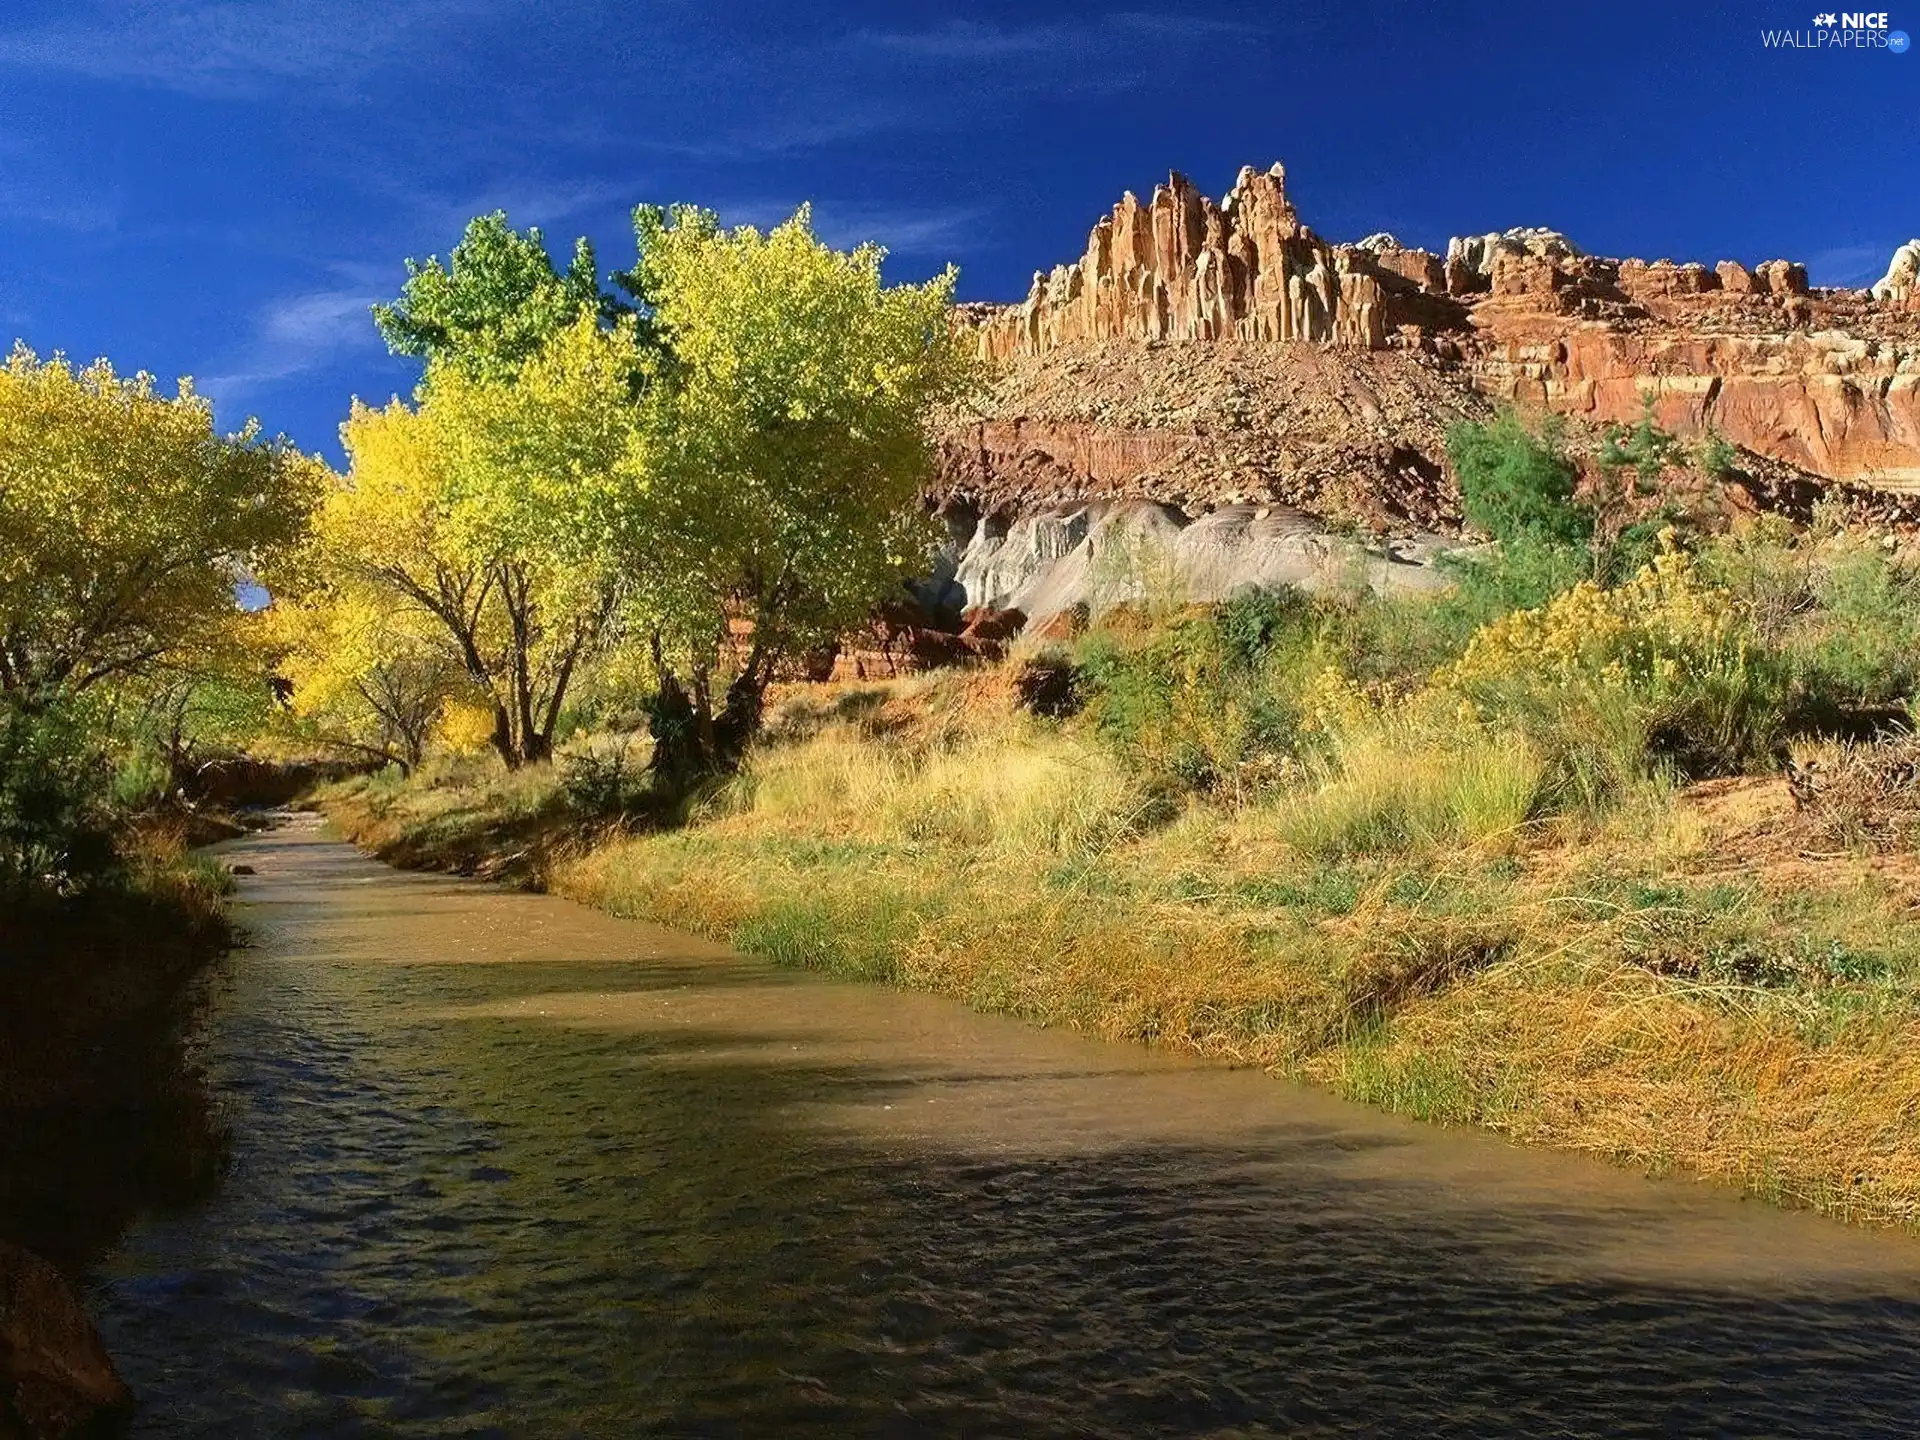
(1903, 275)
(1102, 554)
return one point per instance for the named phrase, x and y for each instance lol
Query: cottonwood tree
(482, 508)
(495, 303)
(772, 492)
(217, 697)
(363, 678)
(126, 522)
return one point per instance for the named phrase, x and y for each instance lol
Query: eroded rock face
(1284, 369)
(55, 1375)
(1319, 428)
(1471, 259)
(1825, 381)
(1088, 558)
(1180, 267)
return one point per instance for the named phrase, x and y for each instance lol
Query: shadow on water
(703, 1198)
(138, 1133)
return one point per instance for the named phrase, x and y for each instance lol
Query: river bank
(1678, 988)
(93, 1082)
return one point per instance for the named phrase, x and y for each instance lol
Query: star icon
(1826, 19)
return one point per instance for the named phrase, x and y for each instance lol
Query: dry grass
(1397, 786)
(1861, 795)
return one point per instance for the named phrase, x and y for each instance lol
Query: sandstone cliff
(1200, 355)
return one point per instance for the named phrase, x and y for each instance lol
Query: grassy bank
(1691, 976)
(85, 974)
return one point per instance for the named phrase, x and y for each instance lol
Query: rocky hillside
(1203, 355)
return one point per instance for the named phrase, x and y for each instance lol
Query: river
(503, 1166)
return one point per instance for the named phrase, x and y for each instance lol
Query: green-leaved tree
(774, 491)
(494, 303)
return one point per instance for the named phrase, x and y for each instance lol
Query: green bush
(141, 779)
(604, 783)
(55, 815)
(1516, 484)
(1841, 612)
(1209, 698)
(1862, 645)
(1253, 623)
(1524, 573)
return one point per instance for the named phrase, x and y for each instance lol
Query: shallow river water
(503, 1166)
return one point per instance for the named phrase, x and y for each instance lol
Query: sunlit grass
(1395, 787)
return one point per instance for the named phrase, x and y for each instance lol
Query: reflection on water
(631, 1185)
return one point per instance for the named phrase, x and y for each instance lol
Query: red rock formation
(1827, 381)
(1182, 268)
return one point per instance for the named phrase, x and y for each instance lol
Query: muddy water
(503, 1166)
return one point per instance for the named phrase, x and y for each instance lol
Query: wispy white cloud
(526, 200)
(235, 48)
(294, 335)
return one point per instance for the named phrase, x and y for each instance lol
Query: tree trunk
(503, 737)
(678, 758)
(739, 719)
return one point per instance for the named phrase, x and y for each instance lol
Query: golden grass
(1006, 786)
(1395, 786)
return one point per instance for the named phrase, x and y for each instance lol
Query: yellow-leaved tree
(478, 514)
(126, 523)
(728, 474)
(365, 677)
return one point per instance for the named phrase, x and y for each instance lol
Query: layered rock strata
(1201, 355)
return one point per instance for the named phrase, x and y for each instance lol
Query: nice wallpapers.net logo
(1858, 30)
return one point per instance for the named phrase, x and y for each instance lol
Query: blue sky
(222, 187)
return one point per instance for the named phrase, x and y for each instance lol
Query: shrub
(1048, 685)
(1210, 699)
(1524, 573)
(603, 782)
(1663, 667)
(1862, 645)
(141, 779)
(1515, 484)
(1843, 611)
(55, 817)
(1254, 622)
